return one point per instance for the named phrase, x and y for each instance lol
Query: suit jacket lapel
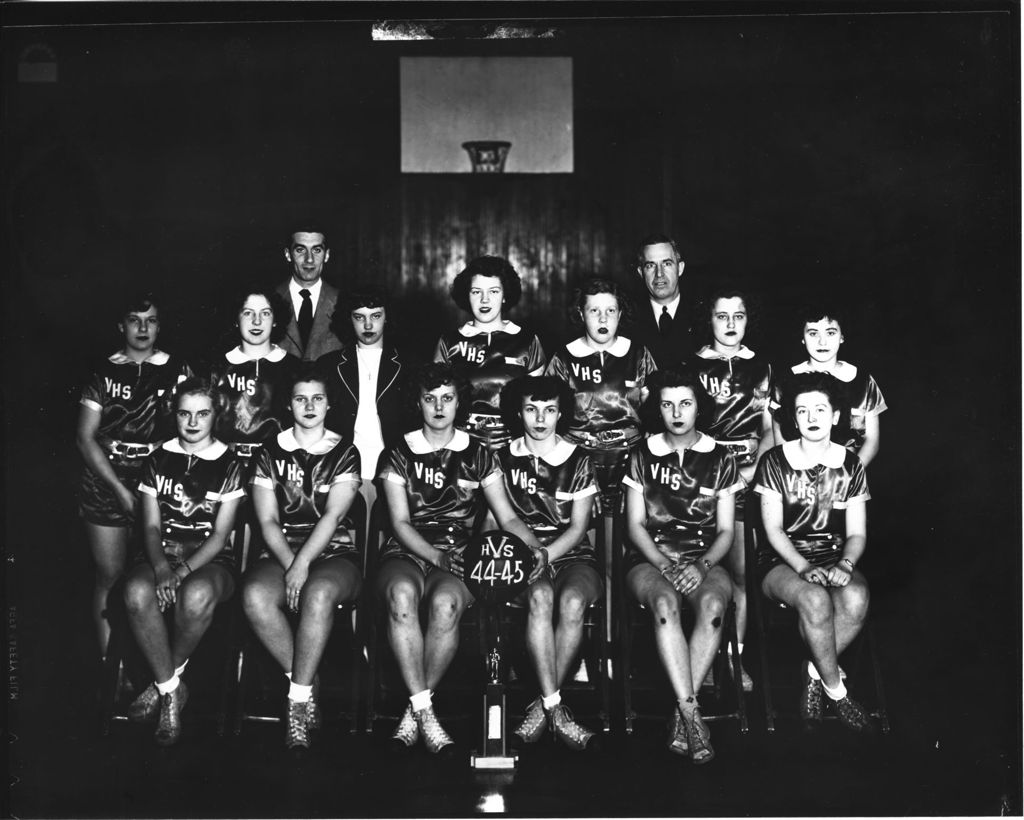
(389, 367)
(292, 341)
(348, 372)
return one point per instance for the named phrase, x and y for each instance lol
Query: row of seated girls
(177, 454)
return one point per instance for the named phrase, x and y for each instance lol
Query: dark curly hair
(592, 287)
(816, 311)
(430, 377)
(363, 294)
(138, 302)
(539, 388)
(678, 377)
(495, 266)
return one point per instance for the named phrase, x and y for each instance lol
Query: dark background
(870, 158)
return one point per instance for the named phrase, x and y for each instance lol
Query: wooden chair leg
(737, 674)
(883, 712)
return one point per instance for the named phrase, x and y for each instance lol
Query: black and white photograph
(532, 409)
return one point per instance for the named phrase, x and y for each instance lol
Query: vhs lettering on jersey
(168, 486)
(289, 471)
(429, 475)
(717, 388)
(666, 476)
(471, 352)
(118, 390)
(800, 488)
(587, 373)
(242, 384)
(522, 479)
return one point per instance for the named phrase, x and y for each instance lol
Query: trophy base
(487, 762)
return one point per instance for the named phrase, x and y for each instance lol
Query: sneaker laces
(569, 730)
(408, 730)
(678, 740)
(852, 714)
(698, 735)
(534, 723)
(434, 735)
(298, 731)
(811, 701)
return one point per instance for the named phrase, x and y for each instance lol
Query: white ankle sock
(299, 693)
(812, 671)
(181, 668)
(168, 686)
(835, 694)
(551, 701)
(288, 675)
(421, 700)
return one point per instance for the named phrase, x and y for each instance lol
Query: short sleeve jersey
(814, 496)
(490, 360)
(190, 487)
(543, 489)
(862, 393)
(740, 386)
(607, 384)
(442, 486)
(251, 386)
(302, 479)
(681, 489)
(133, 397)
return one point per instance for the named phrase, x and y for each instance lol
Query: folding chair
(251, 656)
(766, 614)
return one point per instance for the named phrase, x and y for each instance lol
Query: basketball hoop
(487, 156)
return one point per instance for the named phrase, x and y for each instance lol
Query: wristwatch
(707, 564)
(848, 563)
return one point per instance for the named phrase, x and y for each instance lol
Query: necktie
(305, 317)
(665, 321)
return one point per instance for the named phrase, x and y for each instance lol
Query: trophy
(497, 565)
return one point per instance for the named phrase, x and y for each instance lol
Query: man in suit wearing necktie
(308, 334)
(663, 321)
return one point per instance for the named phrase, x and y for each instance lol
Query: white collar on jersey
(156, 357)
(708, 352)
(211, 453)
(236, 356)
(844, 371)
(286, 440)
(420, 446)
(834, 456)
(557, 457)
(579, 348)
(658, 445)
(507, 326)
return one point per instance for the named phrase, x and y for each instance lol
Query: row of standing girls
(260, 422)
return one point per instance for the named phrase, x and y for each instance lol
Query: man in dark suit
(365, 379)
(312, 300)
(662, 321)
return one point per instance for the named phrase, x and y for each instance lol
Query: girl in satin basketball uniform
(190, 487)
(814, 495)
(124, 416)
(740, 383)
(490, 349)
(608, 373)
